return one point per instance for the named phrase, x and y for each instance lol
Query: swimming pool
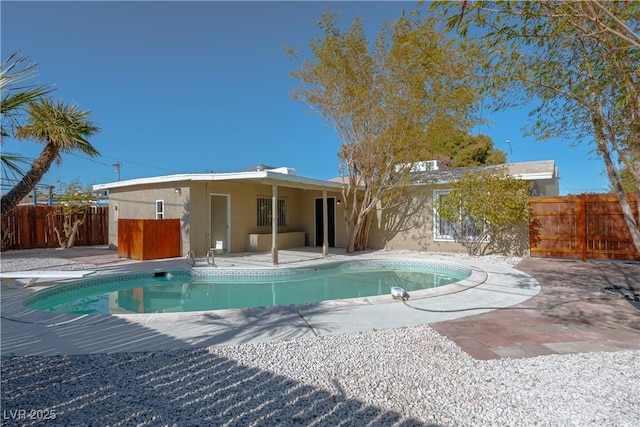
(216, 289)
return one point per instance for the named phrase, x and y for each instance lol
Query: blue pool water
(215, 289)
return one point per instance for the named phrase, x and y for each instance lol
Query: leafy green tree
(577, 63)
(73, 202)
(63, 129)
(488, 211)
(627, 182)
(16, 95)
(380, 98)
(462, 149)
(477, 150)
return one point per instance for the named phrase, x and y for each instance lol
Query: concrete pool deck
(524, 331)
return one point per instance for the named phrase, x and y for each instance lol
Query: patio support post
(325, 224)
(274, 224)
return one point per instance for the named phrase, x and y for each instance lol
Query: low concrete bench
(35, 275)
(261, 242)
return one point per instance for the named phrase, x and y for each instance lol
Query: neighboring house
(236, 209)
(50, 199)
(37, 199)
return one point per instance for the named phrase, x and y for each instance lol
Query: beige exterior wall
(192, 206)
(140, 203)
(197, 223)
(243, 212)
(547, 187)
(243, 219)
(410, 227)
(309, 216)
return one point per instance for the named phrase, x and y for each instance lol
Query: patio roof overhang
(264, 177)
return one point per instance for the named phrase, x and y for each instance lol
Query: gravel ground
(21, 264)
(408, 376)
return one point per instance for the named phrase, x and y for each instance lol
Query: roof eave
(294, 180)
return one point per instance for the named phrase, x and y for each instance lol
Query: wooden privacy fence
(589, 226)
(31, 227)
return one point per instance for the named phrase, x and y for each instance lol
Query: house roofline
(272, 177)
(265, 176)
(534, 176)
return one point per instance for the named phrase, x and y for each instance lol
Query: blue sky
(191, 87)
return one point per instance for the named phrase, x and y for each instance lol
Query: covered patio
(225, 213)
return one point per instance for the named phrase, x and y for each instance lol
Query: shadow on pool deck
(561, 318)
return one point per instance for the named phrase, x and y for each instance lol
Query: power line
(15, 181)
(89, 159)
(117, 162)
(123, 161)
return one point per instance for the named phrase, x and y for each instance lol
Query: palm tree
(15, 97)
(63, 129)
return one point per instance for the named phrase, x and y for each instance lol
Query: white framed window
(159, 209)
(264, 211)
(446, 230)
(443, 229)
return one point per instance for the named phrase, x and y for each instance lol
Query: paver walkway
(561, 318)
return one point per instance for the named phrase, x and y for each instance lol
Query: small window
(159, 209)
(443, 229)
(264, 212)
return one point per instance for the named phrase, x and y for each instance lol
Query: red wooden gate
(589, 226)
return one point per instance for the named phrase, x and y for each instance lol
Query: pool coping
(476, 278)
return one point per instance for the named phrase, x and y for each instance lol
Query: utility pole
(117, 166)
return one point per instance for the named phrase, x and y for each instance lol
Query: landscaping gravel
(21, 264)
(407, 376)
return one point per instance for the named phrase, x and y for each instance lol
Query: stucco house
(236, 211)
(419, 226)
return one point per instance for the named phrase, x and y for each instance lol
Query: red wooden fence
(31, 227)
(589, 226)
(145, 239)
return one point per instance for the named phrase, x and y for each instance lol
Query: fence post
(581, 226)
